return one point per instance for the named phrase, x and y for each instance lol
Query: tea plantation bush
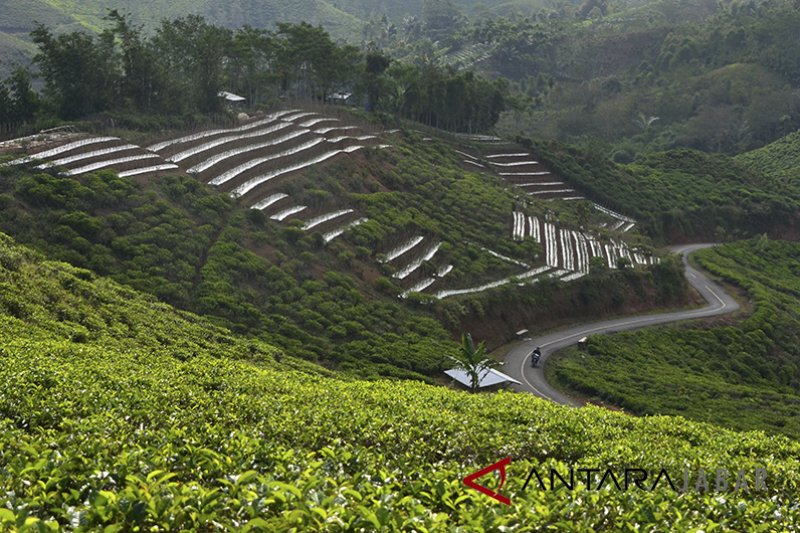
(118, 413)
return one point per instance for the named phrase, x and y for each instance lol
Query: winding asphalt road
(517, 362)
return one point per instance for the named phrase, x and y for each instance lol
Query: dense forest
(639, 76)
(187, 62)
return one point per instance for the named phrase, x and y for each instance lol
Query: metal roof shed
(489, 377)
(230, 97)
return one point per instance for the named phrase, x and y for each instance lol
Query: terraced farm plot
(252, 162)
(572, 250)
(518, 167)
(90, 154)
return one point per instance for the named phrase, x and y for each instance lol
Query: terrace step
(132, 162)
(256, 183)
(321, 220)
(414, 264)
(269, 202)
(172, 146)
(407, 246)
(120, 149)
(283, 214)
(149, 171)
(70, 148)
(200, 153)
(333, 234)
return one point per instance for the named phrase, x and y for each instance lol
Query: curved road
(517, 362)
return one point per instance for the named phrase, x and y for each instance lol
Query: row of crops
(254, 162)
(573, 250)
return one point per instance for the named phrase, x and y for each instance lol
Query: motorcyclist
(536, 354)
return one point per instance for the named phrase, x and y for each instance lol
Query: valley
(270, 266)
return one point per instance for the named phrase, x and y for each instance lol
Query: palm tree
(473, 360)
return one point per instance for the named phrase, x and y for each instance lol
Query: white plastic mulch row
(474, 163)
(208, 133)
(394, 253)
(581, 253)
(47, 154)
(617, 225)
(566, 250)
(323, 131)
(328, 237)
(540, 184)
(570, 198)
(499, 156)
(626, 252)
(296, 116)
(109, 163)
(222, 156)
(289, 211)
(506, 258)
(596, 247)
(536, 231)
(255, 182)
(478, 137)
(180, 156)
(515, 163)
(559, 191)
(269, 200)
(612, 214)
(351, 138)
(573, 276)
(425, 283)
(551, 247)
(418, 287)
(416, 263)
(443, 271)
(643, 259)
(518, 231)
(465, 154)
(542, 173)
(87, 155)
(531, 273)
(315, 121)
(627, 228)
(244, 167)
(321, 219)
(147, 170)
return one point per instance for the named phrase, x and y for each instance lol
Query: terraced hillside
(122, 413)
(313, 229)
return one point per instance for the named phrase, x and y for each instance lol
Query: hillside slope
(780, 161)
(744, 374)
(329, 236)
(103, 425)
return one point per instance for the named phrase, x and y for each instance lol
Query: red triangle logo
(501, 466)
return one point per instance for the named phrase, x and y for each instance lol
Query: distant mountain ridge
(344, 19)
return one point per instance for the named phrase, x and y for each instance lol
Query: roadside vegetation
(743, 375)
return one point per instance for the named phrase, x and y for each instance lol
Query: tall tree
(251, 62)
(142, 85)
(79, 70)
(194, 53)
